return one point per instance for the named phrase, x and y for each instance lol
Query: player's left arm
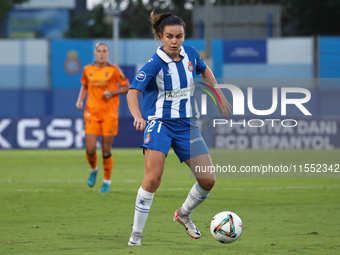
(124, 84)
(225, 108)
(122, 90)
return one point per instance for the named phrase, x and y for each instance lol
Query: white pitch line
(260, 188)
(30, 190)
(284, 188)
(82, 180)
(58, 181)
(184, 189)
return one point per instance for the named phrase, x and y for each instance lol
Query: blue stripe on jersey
(184, 84)
(182, 108)
(182, 75)
(149, 99)
(167, 87)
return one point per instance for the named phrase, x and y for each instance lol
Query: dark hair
(159, 21)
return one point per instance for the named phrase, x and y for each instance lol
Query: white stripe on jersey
(176, 84)
(160, 96)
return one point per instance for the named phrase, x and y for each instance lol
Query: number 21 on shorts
(152, 124)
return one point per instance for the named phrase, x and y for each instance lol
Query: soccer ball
(226, 227)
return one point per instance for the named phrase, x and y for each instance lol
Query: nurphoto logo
(239, 105)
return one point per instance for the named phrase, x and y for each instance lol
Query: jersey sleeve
(200, 64)
(121, 78)
(84, 79)
(144, 76)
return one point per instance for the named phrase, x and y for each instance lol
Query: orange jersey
(97, 81)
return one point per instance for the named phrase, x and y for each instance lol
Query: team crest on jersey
(141, 76)
(147, 139)
(107, 74)
(190, 67)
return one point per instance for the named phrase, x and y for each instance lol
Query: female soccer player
(170, 120)
(100, 83)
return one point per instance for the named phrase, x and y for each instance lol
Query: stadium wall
(24, 64)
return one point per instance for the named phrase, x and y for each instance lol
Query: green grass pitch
(47, 208)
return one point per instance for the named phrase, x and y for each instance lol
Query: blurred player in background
(170, 120)
(100, 83)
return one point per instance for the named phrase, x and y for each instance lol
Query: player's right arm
(132, 99)
(83, 90)
(82, 95)
(138, 85)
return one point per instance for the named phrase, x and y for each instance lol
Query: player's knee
(211, 183)
(106, 151)
(106, 155)
(91, 152)
(153, 182)
(208, 183)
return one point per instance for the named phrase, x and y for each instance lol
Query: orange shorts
(107, 127)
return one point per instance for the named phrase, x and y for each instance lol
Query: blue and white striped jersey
(167, 85)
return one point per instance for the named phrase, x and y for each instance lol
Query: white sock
(142, 207)
(196, 196)
(95, 169)
(107, 181)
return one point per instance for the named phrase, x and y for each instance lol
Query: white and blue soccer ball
(226, 227)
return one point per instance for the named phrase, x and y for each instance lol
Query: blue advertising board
(65, 133)
(245, 51)
(59, 133)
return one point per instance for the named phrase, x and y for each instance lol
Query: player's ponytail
(159, 21)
